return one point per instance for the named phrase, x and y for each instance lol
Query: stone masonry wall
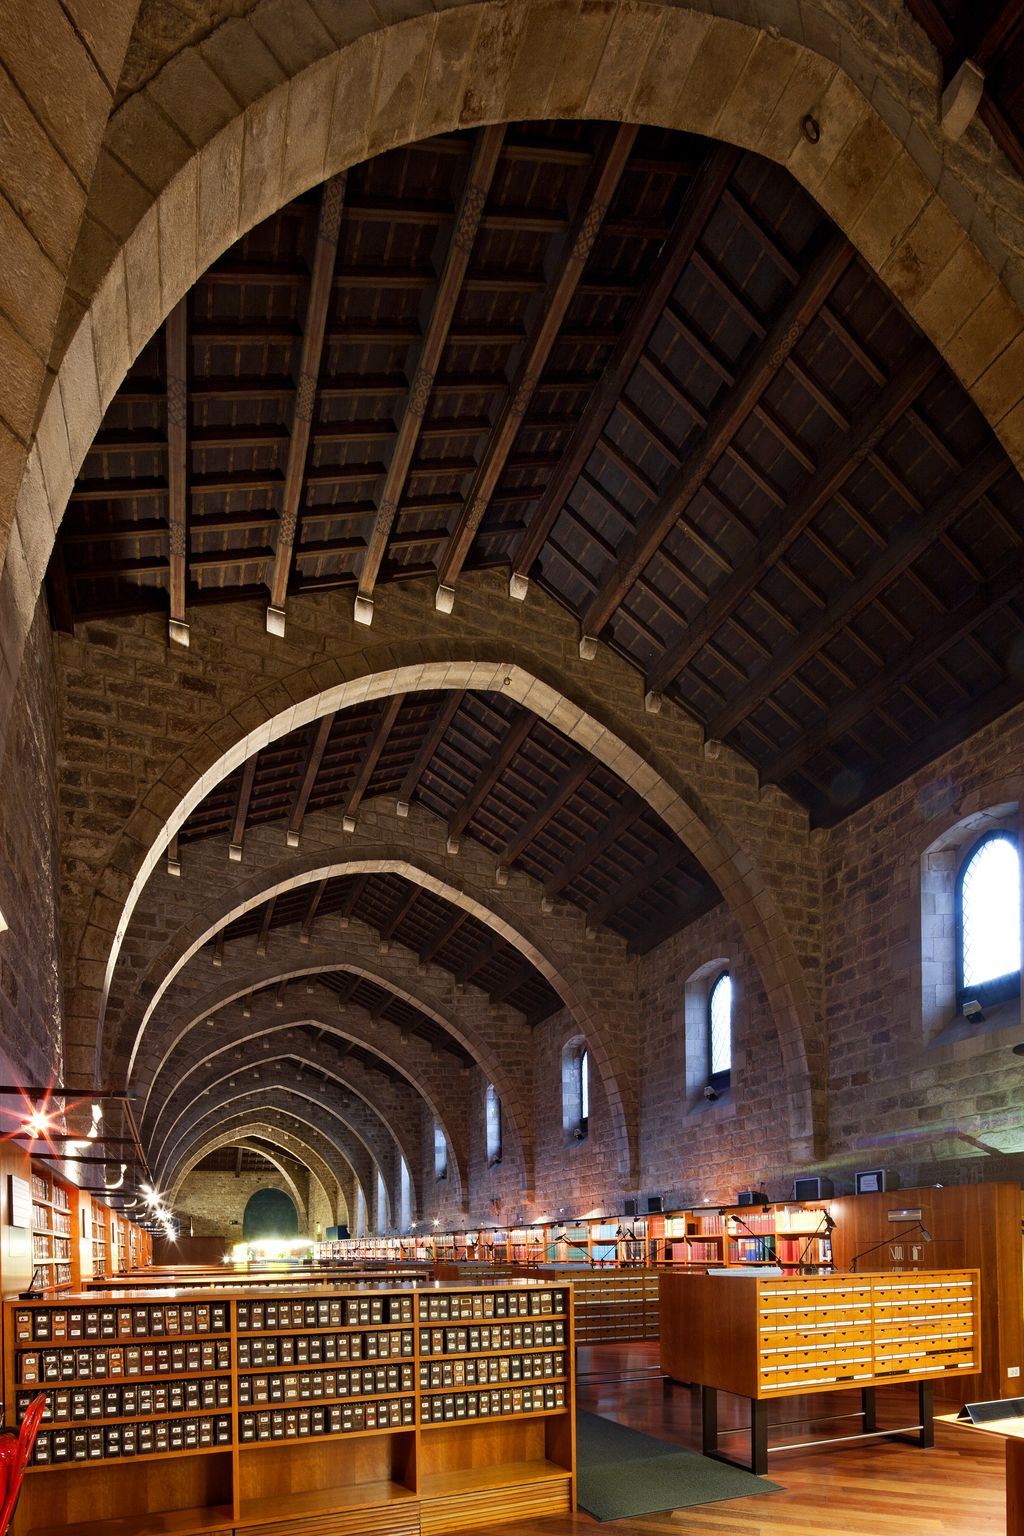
(216, 1201)
(30, 976)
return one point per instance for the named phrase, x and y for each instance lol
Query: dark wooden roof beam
(310, 770)
(310, 918)
(351, 900)
(912, 538)
(447, 931)
(693, 217)
(512, 743)
(241, 810)
(374, 747)
(423, 369)
(593, 848)
(446, 713)
(176, 343)
(727, 416)
(265, 925)
(845, 451)
(567, 271)
(321, 277)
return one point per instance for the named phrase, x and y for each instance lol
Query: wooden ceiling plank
(265, 924)
(693, 217)
(768, 356)
(449, 708)
(311, 910)
(677, 917)
(479, 960)
(486, 153)
(549, 808)
(401, 911)
(909, 543)
(176, 346)
(610, 165)
(512, 743)
(845, 451)
(441, 938)
(628, 891)
(375, 746)
(310, 769)
(523, 973)
(241, 811)
(321, 278)
(619, 822)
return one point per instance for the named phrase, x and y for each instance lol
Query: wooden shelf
(175, 1522)
(519, 1417)
(512, 1474)
(335, 1436)
(322, 1501)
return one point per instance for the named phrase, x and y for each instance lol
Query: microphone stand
(826, 1229)
(759, 1237)
(915, 1226)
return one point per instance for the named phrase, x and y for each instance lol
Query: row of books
(270, 1350)
(492, 1369)
(332, 1312)
(349, 1418)
(102, 1361)
(442, 1307)
(460, 1341)
(298, 1386)
(483, 1405)
(117, 1440)
(129, 1402)
(57, 1323)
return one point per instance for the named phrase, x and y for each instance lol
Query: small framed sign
(20, 1201)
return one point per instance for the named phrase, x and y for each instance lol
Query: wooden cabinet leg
(926, 1406)
(709, 1419)
(758, 1437)
(869, 1409)
(1015, 1488)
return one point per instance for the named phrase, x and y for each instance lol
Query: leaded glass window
(989, 920)
(720, 1029)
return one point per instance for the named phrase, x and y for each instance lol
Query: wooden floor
(875, 1488)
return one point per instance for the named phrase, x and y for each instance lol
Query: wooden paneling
(977, 1226)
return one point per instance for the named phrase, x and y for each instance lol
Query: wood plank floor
(875, 1488)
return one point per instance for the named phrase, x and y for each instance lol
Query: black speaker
(629, 1207)
(655, 1205)
(751, 1197)
(812, 1187)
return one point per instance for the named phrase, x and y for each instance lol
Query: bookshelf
(54, 1245)
(372, 1407)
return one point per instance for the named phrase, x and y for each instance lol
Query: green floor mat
(621, 1472)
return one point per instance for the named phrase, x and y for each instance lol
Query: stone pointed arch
(327, 1174)
(448, 1012)
(611, 735)
(344, 1027)
(402, 1127)
(356, 1129)
(280, 1169)
(666, 65)
(284, 1107)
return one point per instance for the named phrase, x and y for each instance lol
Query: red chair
(15, 1455)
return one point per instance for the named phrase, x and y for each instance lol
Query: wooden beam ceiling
(564, 279)
(331, 200)
(176, 343)
(422, 368)
(768, 357)
(682, 240)
(847, 449)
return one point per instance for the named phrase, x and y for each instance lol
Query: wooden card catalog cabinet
(858, 1330)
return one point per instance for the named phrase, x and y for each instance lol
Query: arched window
(988, 920)
(575, 1090)
(440, 1153)
(492, 1113)
(584, 1088)
(720, 1030)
